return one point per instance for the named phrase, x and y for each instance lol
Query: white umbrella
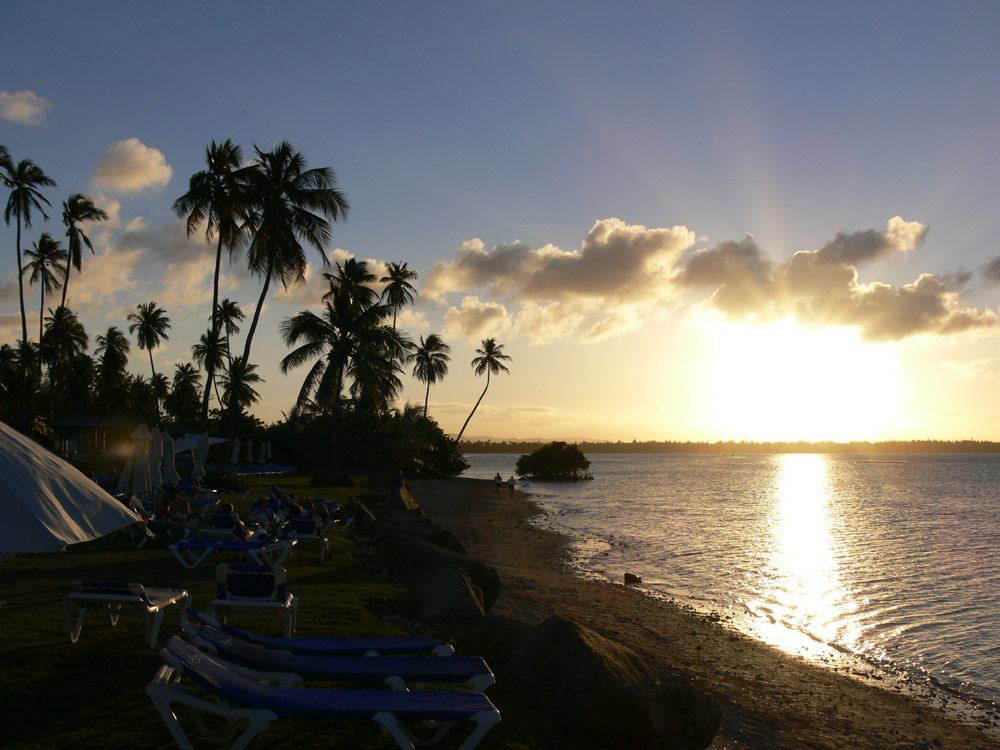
(155, 458)
(268, 452)
(201, 455)
(190, 442)
(170, 475)
(262, 456)
(46, 503)
(125, 481)
(136, 479)
(234, 457)
(249, 451)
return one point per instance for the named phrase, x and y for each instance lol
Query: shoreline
(768, 699)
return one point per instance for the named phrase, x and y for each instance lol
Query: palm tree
(183, 400)
(354, 276)
(215, 197)
(77, 209)
(112, 357)
(430, 362)
(398, 289)
(490, 360)
(230, 316)
(64, 339)
(45, 255)
(349, 338)
(290, 205)
(149, 325)
(242, 387)
(24, 179)
(210, 353)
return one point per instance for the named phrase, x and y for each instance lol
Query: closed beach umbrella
(125, 480)
(170, 475)
(46, 503)
(136, 479)
(155, 458)
(262, 456)
(200, 457)
(249, 451)
(234, 457)
(268, 452)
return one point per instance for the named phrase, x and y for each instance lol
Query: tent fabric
(47, 503)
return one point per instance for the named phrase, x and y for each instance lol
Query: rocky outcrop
(444, 595)
(603, 693)
(405, 556)
(386, 521)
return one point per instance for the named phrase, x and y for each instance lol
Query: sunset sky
(698, 221)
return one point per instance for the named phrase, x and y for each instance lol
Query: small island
(555, 461)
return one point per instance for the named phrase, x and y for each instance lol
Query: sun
(782, 382)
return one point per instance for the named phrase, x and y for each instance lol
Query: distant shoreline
(747, 448)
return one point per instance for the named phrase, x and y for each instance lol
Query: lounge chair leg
(113, 611)
(72, 631)
(390, 725)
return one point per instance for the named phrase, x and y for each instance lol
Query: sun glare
(783, 382)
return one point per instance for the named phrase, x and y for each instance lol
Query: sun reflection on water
(804, 601)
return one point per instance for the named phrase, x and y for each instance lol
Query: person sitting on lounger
(178, 508)
(239, 528)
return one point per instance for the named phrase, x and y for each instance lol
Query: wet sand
(768, 699)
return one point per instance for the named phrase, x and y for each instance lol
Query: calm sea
(887, 567)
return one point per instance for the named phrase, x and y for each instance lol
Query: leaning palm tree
(215, 197)
(24, 179)
(490, 360)
(149, 325)
(76, 210)
(44, 255)
(430, 362)
(398, 289)
(350, 335)
(290, 205)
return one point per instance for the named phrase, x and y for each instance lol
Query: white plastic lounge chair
(290, 669)
(116, 598)
(307, 529)
(249, 706)
(222, 524)
(192, 551)
(380, 645)
(254, 590)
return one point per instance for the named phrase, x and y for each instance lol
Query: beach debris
(632, 578)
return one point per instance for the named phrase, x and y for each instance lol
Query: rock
(632, 578)
(402, 499)
(444, 595)
(389, 521)
(405, 555)
(604, 694)
(494, 637)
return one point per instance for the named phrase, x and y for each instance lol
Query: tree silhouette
(490, 360)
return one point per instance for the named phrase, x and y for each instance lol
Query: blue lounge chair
(257, 590)
(382, 645)
(116, 598)
(192, 551)
(307, 529)
(250, 706)
(289, 669)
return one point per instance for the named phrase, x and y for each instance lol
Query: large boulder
(384, 522)
(405, 556)
(402, 499)
(444, 595)
(604, 694)
(494, 637)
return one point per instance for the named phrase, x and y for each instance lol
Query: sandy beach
(768, 699)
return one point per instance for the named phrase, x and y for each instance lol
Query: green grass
(91, 694)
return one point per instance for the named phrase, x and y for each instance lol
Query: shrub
(217, 479)
(331, 478)
(554, 461)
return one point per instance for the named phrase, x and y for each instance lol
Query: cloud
(821, 287)
(24, 108)
(973, 369)
(476, 320)
(8, 290)
(130, 166)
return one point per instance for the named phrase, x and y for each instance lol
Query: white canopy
(47, 503)
(191, 441)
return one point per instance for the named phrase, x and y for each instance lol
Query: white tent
(155, 458)
(170, 475)
(46, 503)
(135, 478)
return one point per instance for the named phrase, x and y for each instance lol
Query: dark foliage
(332, 478)
(555, 461)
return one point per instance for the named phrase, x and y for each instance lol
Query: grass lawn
(91, 694)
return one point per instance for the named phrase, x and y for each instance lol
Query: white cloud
(973, 369)
(130, 166)
(24, 108)
(476, 320)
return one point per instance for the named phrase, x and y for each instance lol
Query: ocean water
(887, 567)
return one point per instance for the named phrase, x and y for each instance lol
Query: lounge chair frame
(117, 598)
(273, 599)
(192, 551)
(227, 695)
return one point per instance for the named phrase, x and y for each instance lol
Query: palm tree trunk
(427, 397)
(41, 313)
(473, 409)
(210, 366)
(237, 377)
(156, 398)
(24, 330)
(69, 260)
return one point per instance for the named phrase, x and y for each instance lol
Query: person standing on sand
(498, 480)
(510, 484)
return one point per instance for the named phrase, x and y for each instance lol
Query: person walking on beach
(498, 480)
(510, 484)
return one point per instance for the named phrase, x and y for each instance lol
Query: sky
(682, 221)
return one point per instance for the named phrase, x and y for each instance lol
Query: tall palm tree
(490, 360)
(353, 275)
(183, 400)
(44, 255)
(349, 336)
(230, 316)
(212, 353)
(215, 196)
(290, 205)
(24, 179)
(398, 289)
(64, 339)
(238, 393)
(149, 325)
(430, 362)
(112, 357)
(77, 209)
